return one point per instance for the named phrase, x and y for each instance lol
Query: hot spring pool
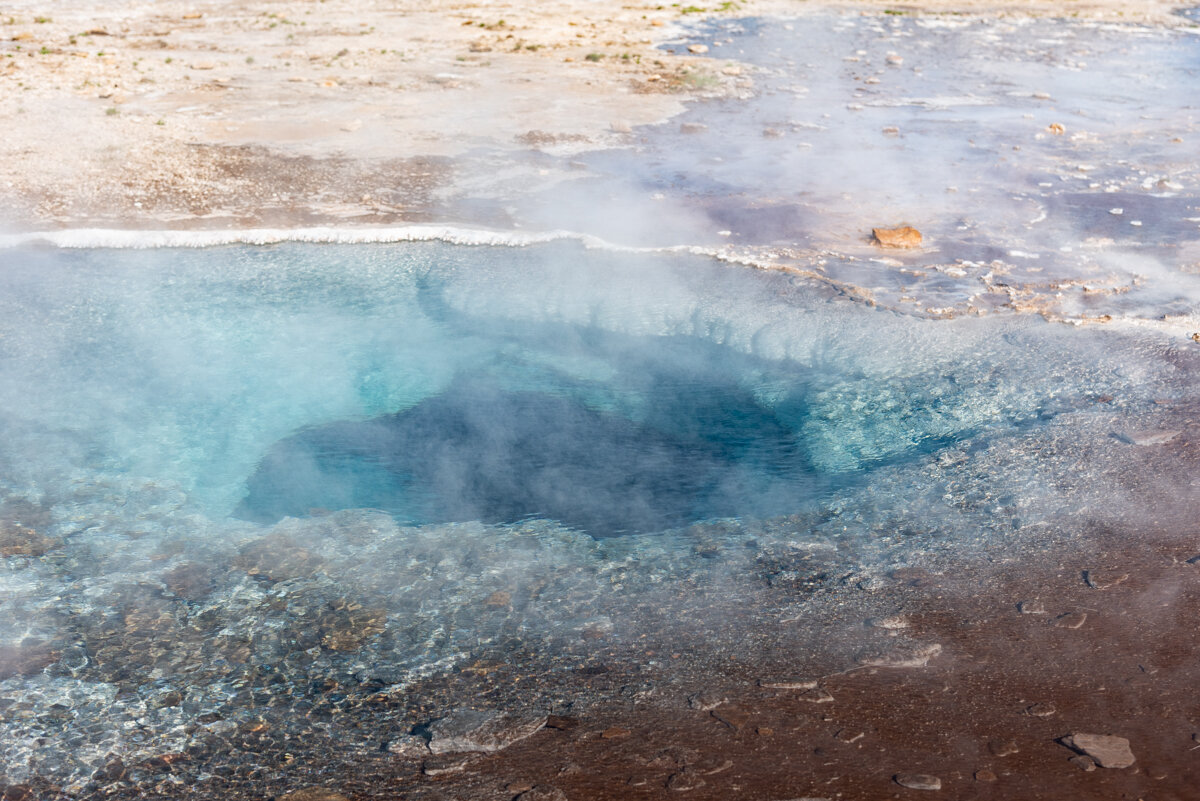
(228, 473)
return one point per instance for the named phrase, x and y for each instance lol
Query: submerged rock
(481, 730)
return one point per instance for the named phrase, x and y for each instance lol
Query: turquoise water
(263, 466)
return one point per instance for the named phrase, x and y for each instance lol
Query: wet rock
(1145, 438)
(787, 684)
(1108, 750)
(1032, 607)
(1103, 579)
(903, 237)
(615, 733)
(1071, 620)
(499, 598)
(985, 775)
(561, 722)
(542, 792)
(891, 622)
(1085, 763)
(918, 781)
(313, 794)
(911, 655)
(697, 48)
(706, 700)
(1003, 748)
(480, 730)
(693, 128)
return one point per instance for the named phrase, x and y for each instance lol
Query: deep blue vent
(700, 448)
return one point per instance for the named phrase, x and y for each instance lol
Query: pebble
(985, 776)
(476, 730)
(543, 792)
(918, 781)
(889, 622)
(1003, 748)
(615, 733)
(407, 745)
(697, 48)
(894, 60)
(692, 127)
(621, 127)
(903, 237)
(1042, 710)
(1032, 607)
(1071, 620)
(1056, 128)
(1083, 762)
(1108, 750)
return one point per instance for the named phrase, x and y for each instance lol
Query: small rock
(1071, 620)
(692, 127)
(1032, 607)
(985, 775)
(894, 60)
(475, 730)
(620, 126)
(517, 788)
(889, 622)
(543, 792)
(204, 65)
(697, 48)
(1003, 748)
(918, 781)
(1041, 710)
(787, 684)
(772, 133)
(1108, 750)
(1083, 762)
(1103, 579)
(615, 733)
(903, 237)
(706, 700)
(1146, 439)
(891, 130)
(445, 763)
(1056, 128)
(313, 794)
